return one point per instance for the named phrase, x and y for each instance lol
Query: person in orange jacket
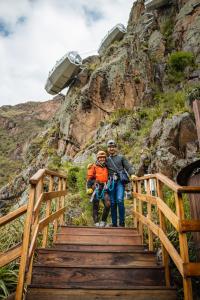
(97, 179)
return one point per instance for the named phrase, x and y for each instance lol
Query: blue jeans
(117, 200)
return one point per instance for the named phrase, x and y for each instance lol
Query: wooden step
(107, 277)
(100, 248)
(51, 257)
(142, 293)
(99, 239)
(97, 231)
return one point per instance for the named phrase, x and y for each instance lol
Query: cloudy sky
(36, 33)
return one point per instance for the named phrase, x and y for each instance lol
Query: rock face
(19, 124)
(173, 144)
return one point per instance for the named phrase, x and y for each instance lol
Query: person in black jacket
(116, 163)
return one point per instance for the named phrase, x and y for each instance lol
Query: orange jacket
(100, 174)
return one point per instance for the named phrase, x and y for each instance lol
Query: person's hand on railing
(133, 177)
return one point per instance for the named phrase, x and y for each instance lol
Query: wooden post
(135, 204)
(140, 211)
(187, 284)
(63, 200)
(165, 255)
(150, 235)
(38, 192)
(25, 244)
(48, 211)
(56, 222)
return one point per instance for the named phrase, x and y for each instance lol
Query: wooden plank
(191, 269)
(13, 215)
(101, 248)
(25, 245)
(168, 213)
(81, 258)
(37, 176)
(98, 231)
(38, 204)
(98, 240)
(52, 195)
(145, 198)
(150, 235)
(190, 225)
(187, 284)
(171, 184)
(42, 172)
(166, 242)
(137, 293)
(44, 222)
(106, 277)
(48, 212)
(165, 255)
(10, 255)
(189, 189)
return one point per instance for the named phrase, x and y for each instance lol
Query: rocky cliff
(137, 92)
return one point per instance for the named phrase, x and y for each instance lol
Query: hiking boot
(114, 225)
(102, 224)
(122, 225)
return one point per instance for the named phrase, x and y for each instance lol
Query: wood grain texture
(143, 293)
(98, 240)
(80, 247)
(98, 231)
(109, 277)
(67, 258)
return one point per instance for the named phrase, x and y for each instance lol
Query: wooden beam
(145, 198)
(191, 269)
(44, 222)
(13, 215)
(168, 213)
(189, 225)
(25, 245)
(164, 239)
(42, 172)
(52, 195)
(10, 255)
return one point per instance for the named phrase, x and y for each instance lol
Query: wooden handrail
(33, 225)
(177, 219)
(13, 215)
(42, 172)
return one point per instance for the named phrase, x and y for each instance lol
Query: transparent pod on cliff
(115, 34)
(64, 71)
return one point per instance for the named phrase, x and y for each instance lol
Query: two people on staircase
(118, 171)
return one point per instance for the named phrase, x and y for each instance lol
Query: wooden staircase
(97, 263)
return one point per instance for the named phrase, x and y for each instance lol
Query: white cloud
(36, 33)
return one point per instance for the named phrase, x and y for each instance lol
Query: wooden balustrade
(176, 219)
(45, 207)
(39, 215)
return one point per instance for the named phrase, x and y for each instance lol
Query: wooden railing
(149, 189)
(46, 205)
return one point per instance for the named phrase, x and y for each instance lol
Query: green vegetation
(167, 28)
(177, 63)
(8, 280)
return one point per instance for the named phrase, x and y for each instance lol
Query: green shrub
(8, 280)
(72, 178)
(178, 61)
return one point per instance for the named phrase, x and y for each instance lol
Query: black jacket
(121, 163)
